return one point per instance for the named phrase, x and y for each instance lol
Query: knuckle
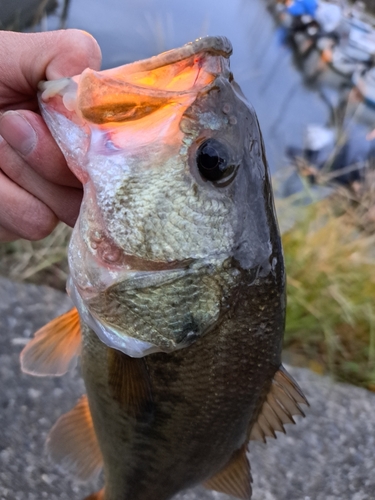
(84, 43)
(37, 222)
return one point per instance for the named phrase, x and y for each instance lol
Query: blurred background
(308, 69)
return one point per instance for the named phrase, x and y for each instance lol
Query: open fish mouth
(139, 89)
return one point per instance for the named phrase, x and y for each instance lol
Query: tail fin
(99, 495)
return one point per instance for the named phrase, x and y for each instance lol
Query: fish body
(202, 401)
(177, 274)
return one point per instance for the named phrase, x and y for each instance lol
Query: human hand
(36, 187)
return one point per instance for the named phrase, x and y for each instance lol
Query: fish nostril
(227, 108)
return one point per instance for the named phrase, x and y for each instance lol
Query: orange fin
(99, 495)
(281, 404)
(72, 443)
(54, 348)
(129, 382)
(235, 478)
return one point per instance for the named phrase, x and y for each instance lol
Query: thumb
(31, 57)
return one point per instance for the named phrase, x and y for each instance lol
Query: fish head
(175, 187)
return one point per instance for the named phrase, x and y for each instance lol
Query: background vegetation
(330, 262)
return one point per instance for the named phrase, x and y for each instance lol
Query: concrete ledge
(330, 455)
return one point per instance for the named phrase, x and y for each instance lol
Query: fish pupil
(212, 160)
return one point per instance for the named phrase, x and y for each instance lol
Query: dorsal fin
(279, 407)
(54, 348)
(235, 478)
(72, 443)
(129, 382)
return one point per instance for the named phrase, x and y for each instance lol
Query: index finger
(44, 156)
(32, 57)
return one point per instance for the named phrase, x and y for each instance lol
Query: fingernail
(17, 132)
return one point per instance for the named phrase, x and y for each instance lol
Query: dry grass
(41, 262)
(330, 261)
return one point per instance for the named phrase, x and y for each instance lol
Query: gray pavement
(330, 455)
(20, 14)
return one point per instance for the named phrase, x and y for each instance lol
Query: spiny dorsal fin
(235, 478)
(129, 382)
(72, 443)
(54, 348)
(277, 410)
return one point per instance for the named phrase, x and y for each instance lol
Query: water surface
(128, 30)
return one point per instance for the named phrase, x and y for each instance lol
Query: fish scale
(192, 428)
(177, 277)
(169, 218)
(205, 390)
(191, 297)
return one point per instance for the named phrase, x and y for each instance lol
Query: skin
(173, 419)
(35, 192)
(204, 400)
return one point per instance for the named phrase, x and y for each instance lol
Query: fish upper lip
(217, 45)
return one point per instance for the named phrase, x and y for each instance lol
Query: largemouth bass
(177, 276)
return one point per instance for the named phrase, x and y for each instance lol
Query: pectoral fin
(235, 478)
(129, 382)
(281, 404)
(54, 348)
(72, 443)
(99, 495)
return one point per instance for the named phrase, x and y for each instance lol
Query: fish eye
(212, 160)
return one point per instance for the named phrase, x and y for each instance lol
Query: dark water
(133, 29)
